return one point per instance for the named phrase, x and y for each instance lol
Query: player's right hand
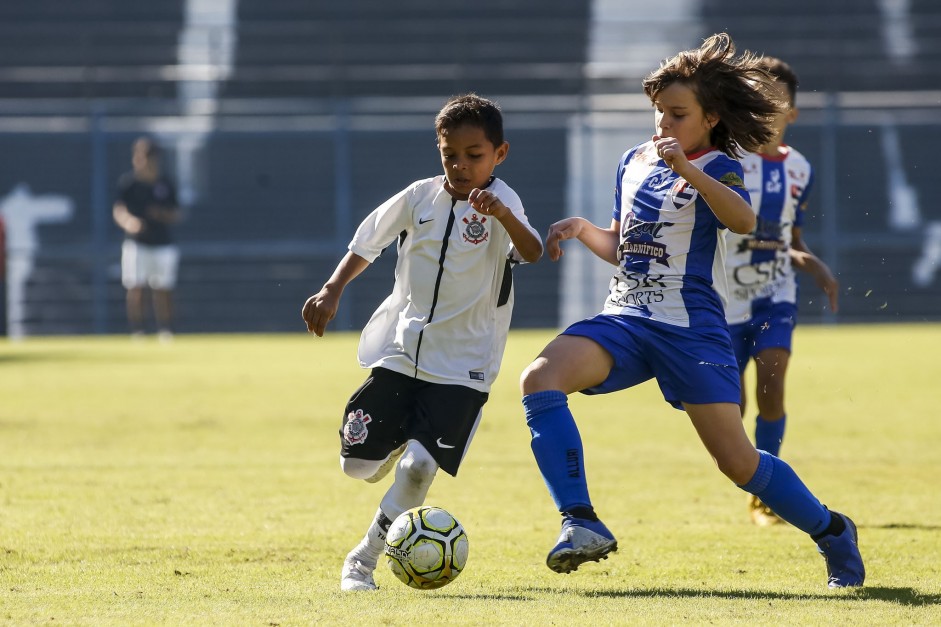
(568, 228)
(319, 310)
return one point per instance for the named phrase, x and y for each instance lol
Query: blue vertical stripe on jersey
(702, 305)
(774, 190)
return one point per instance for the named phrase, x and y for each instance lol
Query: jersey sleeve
(729, 172)
(802, 201)
(510, 198)
(382, 226)
(616, 210)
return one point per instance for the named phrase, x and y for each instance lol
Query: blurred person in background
(145, 208)
(760, 267)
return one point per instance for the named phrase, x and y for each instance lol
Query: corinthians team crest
(355, 431)
(475, 232)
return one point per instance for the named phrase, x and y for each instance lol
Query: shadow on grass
(901, 596)
(28, 357)
(903, 526)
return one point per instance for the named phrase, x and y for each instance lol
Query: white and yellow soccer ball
(426, 547)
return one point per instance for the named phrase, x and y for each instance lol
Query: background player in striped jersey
(664, 317)
(762, 307)
(436, 343)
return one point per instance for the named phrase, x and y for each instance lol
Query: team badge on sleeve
(355, 431)
(682, 193)
(732, 180)
(475, 232)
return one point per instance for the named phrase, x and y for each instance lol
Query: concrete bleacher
(88, 49)
(264, 230)
(839, 45)
(289, 48)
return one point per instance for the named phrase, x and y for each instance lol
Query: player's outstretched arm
(322, 306)
(602, 242)
(527, 243)
(805, 260)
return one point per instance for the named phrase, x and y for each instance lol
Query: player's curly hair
(474, 110)
(733, 88)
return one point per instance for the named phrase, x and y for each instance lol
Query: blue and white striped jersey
(672, 251)
(758, 265)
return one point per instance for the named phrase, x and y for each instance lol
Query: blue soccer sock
(557, 446)
(779, 487)
(769, 434)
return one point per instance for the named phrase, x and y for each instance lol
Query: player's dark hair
(733, 88)
(783, 73)
(474, 110)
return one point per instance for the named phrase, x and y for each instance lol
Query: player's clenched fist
(487, 203)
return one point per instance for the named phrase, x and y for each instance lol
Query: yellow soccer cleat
(761, 514)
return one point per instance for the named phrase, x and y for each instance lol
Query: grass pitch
(198, 483)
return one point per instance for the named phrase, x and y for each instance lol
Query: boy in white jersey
(762, 307)
(435, 344)
(664, 316)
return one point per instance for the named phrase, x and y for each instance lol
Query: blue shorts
(772, 327)
(691, 365)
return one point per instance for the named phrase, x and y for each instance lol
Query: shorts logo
(475, 232)
(355, 431)
(709, 363)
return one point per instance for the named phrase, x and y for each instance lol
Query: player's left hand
(487, 203)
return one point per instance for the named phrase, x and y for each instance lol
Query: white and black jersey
(447, 318)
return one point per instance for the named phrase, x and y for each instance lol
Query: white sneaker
(356, 576)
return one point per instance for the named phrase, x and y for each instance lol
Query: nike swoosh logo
(422, 221)
(440, 444)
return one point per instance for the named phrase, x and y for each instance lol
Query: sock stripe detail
(762, 477)
(539, 402)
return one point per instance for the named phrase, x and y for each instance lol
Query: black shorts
(391, 408)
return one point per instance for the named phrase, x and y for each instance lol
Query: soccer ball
(426, 547)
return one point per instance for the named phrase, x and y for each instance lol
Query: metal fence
(273, 190)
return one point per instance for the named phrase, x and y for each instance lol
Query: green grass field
(198, 483)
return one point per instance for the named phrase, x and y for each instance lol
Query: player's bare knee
(738, 468)
(359, 468)
(532, 379)
(417, 466)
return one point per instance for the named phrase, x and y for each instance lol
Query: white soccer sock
(373, 543)
(413, 476)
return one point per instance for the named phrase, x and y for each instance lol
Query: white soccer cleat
(388, 465)
(356, 576)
